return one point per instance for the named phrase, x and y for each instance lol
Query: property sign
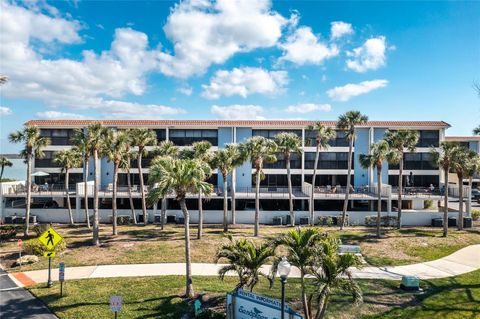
(48, 254)
(116, 303)
(61, 271)
(20, 244)
(50, 238)
(247, 305)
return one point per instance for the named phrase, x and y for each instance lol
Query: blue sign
(247, 305)
(61, 271)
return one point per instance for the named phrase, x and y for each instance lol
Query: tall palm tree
(141, 138)
(259, 150)
(400, 141)
(33, 147)
(379, 152)
(289, 143)
(460, 165)
(348, 122)
(301, 245)
(68, 159)
(97, 135)
(476, 131)
(444, 158)
(125, 164)
(165, 149)
(4, 162)
(180, 176)
(115, 148)
(323, 135)
(331, 271)
(226, 160)
(473, 167)
(80, 140)
(246, 258)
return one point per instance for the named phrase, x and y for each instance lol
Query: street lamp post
(283, 271)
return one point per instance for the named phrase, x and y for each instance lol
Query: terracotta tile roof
(462, 138)
(248, 123)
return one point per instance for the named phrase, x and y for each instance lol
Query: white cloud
(185, 90)
(244, 82)
(210, 32)
(308, 107)
(5, 111)
(344, 93)
(96, 81)
(370, 56)
(55, 115)
(303, 47)
(339, 29)
(237, 112)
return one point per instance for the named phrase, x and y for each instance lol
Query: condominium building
(421, 174)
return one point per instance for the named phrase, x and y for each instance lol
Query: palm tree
(460, 165)
(226, 160)
(259, 150)
(33, 146)
(331, 272)
(473, 167)
(323, 135)
(4, 162)
(289, 143)
(115, 148)
(347, 123)
(125, 164)
(142, 137)
(301, 245)
(379, 152)
(97, 135)
(165, 149)
(80, 140)
(181, 176)
(476, 131)
(246, 259)
(444, 158)
(400, 141)
(68, 159)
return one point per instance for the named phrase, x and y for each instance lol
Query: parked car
(475, 194)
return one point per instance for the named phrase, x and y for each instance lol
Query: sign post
(116, 304)
(20, 247)
(50, 238)
(61, 276)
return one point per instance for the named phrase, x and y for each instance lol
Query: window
(58, 136)
(161, 135)
(429, 138)
(295, 162)
(332, 180)
(187, 137)
(417, 161)
(278, 180)
(417, 180)
(272, 133)
(339, 141)
(328, 160)
(46, 160)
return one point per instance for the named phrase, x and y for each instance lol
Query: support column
(469, 201)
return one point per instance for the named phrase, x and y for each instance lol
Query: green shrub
(476, 214)
(428, 204)
(35, 247)
(385, 221)
(39, 229)
(325, 220)
(123, 220)
(8, 232)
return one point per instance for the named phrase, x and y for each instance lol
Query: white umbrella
(40, 174)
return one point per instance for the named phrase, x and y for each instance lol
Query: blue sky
(239, 59)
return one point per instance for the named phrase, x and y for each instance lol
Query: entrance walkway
(464, 260)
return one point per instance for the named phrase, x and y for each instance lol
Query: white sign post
(116, 304)
(61, 276)
(247, 305)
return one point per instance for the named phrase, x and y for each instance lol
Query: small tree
(331, 272)
(80, 140)
(459, 165)
(226, 160)
(444, 158)
(259, 150)
(4, 162)
(246, 259)
(348, 122)
(68, 159)
(323, 135)
(379, 152)
(33, 143)
(400, 141)
(180, 176)
(289, 143)
(301, 245)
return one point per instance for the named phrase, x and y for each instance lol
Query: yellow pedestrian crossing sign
(48, 254)
(50, 238)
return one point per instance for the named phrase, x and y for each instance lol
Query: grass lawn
(149, 244)
(159, 297)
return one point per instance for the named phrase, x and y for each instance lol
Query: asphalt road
(18, 303)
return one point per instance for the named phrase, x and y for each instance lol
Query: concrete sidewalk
(463, 261)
